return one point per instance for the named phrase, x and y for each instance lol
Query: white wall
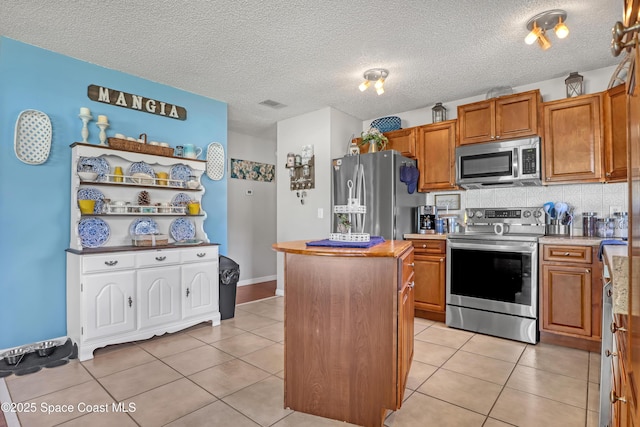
(329, 131)
(252, 219)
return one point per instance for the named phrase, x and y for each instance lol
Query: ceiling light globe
(380, 90)
(364, 85)
(379, 83)
(533, 35)
(544, 42)
(561, 30)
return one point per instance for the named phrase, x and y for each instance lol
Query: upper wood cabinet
(615, 134)
(573, 139)
(505, 117)
(436, 156)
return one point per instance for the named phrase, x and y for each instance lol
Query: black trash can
(229, 275)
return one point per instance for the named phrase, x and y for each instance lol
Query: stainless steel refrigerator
(376, 183)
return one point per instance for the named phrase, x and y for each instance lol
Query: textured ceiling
(310, 54)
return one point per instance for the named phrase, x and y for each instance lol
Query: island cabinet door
(405, 323)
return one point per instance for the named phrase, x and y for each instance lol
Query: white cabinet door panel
(110, 308)
(200, 288)
(158, 296)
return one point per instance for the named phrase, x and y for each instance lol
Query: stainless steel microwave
(513, 163)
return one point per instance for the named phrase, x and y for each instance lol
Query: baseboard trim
(279, 292)
(257, 280)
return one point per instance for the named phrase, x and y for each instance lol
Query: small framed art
(444, 201)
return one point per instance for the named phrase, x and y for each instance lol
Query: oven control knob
(478, 214)
(470, 214)
(537, 213)
(526, 214)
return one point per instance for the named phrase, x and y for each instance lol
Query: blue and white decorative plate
(96, 164)
(93, 232)
(89, 193)
(143, 225)
(141, 167)
(182, 229)
(181, 199)
(180, 172)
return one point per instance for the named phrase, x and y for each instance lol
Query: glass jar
(621, 225)
(178, 151)
(589, 224)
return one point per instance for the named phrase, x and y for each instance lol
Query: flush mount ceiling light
(542, 22)
(377, 75)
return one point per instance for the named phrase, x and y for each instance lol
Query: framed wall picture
(444, 201)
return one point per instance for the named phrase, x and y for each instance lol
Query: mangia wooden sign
(135, 102)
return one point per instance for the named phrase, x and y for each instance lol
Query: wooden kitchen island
(348, 329)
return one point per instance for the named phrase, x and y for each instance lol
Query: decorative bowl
(45, 348)
(88, 176)
(142, 178)
(87, 206)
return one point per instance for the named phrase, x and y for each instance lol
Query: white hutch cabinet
(118, 292)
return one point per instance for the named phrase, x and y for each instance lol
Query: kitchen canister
(621, 221)
(605, 227)
(589, 224)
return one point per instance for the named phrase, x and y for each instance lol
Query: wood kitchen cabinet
(573, 140)
(406, 309)
(435, 150)
(402, 140)
(505, 117)
(615, 134)
(430, 268)
(571, 296)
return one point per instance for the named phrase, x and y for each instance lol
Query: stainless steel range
(492, 273)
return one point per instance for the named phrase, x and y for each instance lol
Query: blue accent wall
(34, 199)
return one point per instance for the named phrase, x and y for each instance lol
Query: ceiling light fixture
(377, 75)
(542, 22)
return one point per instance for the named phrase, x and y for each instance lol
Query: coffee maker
(426, 218)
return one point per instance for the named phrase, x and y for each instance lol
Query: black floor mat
(31, 362)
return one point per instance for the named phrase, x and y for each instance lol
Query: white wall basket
(32, 140)
(215, 161)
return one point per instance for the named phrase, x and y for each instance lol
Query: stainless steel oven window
(500, 276)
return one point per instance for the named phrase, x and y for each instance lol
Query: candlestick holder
(85, 129)
(103, 134)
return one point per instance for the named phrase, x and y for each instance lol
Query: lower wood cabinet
(121, 296)
(406, 309)
(571, 296)
(430, 280)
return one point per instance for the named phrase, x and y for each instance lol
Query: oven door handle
(525, 248)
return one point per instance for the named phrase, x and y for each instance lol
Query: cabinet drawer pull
(111, 263)
(161, 258)
(441, 259)
(588, 270)
(413, 264)
(201, 254)
(412, 284)
(613, 398)
(188, 292)
(424, 246)
(130, 302)
(615, 328)
(566, 254)
(609, 354)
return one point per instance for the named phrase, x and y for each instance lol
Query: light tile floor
(232, 375)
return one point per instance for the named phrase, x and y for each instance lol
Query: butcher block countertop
(390, 248)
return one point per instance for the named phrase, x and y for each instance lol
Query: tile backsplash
(582, 197)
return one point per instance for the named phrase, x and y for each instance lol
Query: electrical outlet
(614, 209)
(248, 193)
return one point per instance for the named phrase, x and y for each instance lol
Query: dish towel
(409, 174)
(608, 242)
(374, 240)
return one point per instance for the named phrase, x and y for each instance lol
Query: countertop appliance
(492, 273)
(376, 184)
(426, 217)
(514, 163)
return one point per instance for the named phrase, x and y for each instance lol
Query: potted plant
(376, 139)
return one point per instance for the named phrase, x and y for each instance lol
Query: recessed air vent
(271, 103)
